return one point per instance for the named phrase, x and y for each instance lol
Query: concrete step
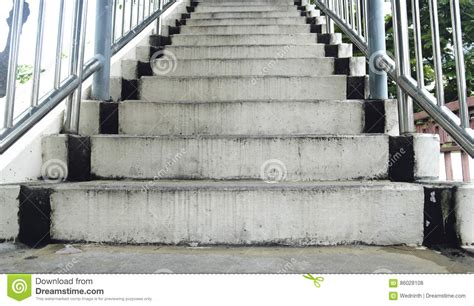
(252, 8)
(239, 51)
(289, 158)
(246, 29)
(247, 21)
(235, 213)
(242, 39)
(321, 117)
(239, 14)
(245, 3)
(252, 67)
(228, 88)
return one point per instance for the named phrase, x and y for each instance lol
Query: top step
(251, 8)
(244, 2)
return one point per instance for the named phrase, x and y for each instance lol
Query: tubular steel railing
(117, 22)
(353, 17)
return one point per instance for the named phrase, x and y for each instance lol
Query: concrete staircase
(247, 125)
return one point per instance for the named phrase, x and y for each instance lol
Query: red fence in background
(424, 124)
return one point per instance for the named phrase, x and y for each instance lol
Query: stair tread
(238, 136)
(242, 77)
(221, 184)
(240, 101)
(242, 45)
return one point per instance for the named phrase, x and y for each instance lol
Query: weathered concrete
(238, 51)
(90, 117)
(425, 147)
(252, 8)
(246, 2)
(242, 39)
(247, 67)
(242, 118)
(245, 29)
(240, 212)
(465, 213)
(9, 212)
(247, 21)
(241, 157)
(96, 258)
(223, 15)
(228, 88)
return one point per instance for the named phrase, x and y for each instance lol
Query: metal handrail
(112, 16)
(358, 30)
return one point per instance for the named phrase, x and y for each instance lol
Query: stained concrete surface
(96, 258)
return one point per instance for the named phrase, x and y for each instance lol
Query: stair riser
(253, 8)
(223, 40)
(236, 52)
(304, 158)
(270, 66)
(275, 65)
(265, 118)
(250, 29)
(245, 3)
(198, 16)
(247, 21)
(236, 88)
(240, 217)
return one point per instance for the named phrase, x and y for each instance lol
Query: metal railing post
(376, 40)
(103, 37)
(402, 59)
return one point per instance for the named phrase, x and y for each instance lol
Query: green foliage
(446, 42)
(24, 73)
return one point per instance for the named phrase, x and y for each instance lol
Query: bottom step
(227, 212)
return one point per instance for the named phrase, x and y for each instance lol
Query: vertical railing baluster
(438, 65)
(351, 14)
(38, 55)
(16, 25)
(131, 14)
(114, 20)
(402, 55)
(138, 11)
(73, 127)
(366, 20)
(359, 17)
(123, 18)
(73, 62)
(59, 46)
(459, 58)
(418, 44)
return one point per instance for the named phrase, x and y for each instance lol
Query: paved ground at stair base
(161, 259)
